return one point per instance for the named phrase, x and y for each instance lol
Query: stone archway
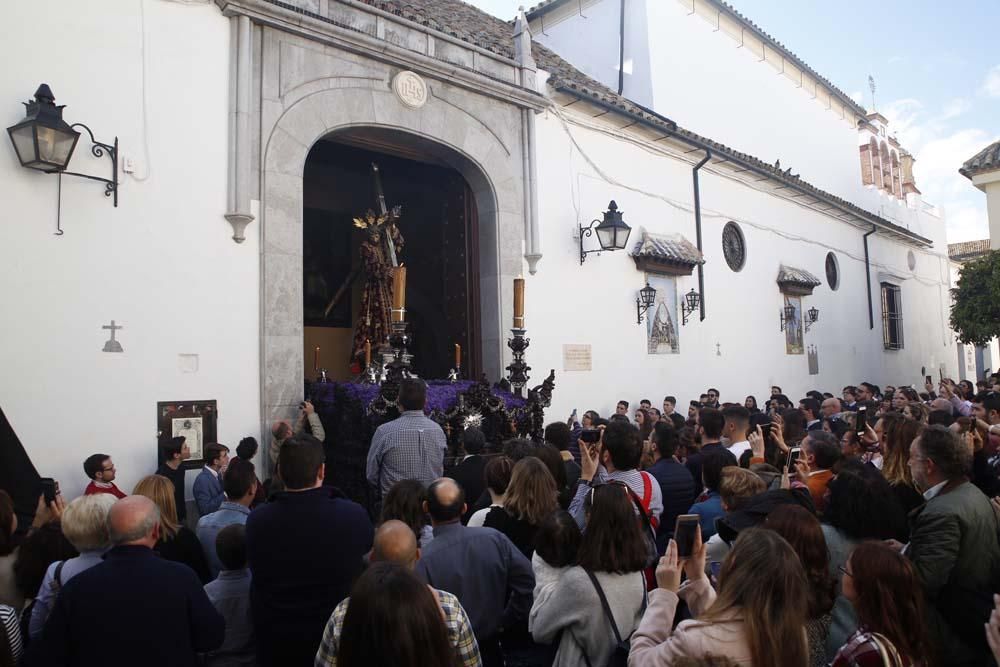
(477, 136)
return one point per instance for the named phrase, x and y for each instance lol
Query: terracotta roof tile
(987, 159)
(960, 252)
(673, 248)
(788, 275)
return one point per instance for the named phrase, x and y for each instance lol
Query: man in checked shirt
(409, 447)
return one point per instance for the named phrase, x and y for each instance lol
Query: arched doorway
(440, 226)
(456, 128)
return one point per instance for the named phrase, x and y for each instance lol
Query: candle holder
(321, 377)
(397, 366)
(453, 375)
(372, 374)
(518, 369)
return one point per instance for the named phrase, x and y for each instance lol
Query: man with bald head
(481, 566)
(830, 408)
(396, 543)
(155, 608)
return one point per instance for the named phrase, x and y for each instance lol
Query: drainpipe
(621, 48)
(697, 227)
(868, 278)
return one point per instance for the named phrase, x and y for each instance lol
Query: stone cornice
(287, 18)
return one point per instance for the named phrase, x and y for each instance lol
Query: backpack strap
(57, 577)
(647, 498)
(605, 605)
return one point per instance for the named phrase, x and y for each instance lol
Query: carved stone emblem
(410, 88)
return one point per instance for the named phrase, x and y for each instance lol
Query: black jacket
(469, 475)
(135, 608)
(305, 549)
(679, 492)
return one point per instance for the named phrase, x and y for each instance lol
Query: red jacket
(92, 488)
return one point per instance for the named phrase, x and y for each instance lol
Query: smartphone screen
(684, 534)
(793, 456)
(48, 489)
(862, 421)
(927, 379)
(715, 567)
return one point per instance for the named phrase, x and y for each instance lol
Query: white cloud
(967, 222)
(858, 97)
(893, 60)
(991, 84)
(956, 108)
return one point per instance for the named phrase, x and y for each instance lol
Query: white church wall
(687, 68)
(162, 264)
(738, 348)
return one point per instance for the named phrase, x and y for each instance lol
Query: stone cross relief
(112, 345)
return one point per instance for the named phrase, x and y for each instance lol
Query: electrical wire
(707, 212)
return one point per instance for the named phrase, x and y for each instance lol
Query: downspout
(868, 278)
(621, 48)
(697, 227)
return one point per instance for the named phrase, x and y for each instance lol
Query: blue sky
(936, 69)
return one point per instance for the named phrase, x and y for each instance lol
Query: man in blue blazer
(208, 492)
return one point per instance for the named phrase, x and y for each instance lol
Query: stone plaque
(410, 88)
(576, 358)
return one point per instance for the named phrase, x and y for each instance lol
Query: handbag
(886, 650)
(619, 656)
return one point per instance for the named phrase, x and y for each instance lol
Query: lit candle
(316, 359)
(398, 293)
(368, 353)
(458, 356)
(518, 303)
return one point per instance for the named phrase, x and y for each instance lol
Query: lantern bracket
(588, 231)
(99, 149)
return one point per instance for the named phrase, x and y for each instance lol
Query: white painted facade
(163, 265)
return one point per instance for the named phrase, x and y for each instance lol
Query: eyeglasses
(613, 482)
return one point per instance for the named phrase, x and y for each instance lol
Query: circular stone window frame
(911, 260)
(733, 228)
(831, 258)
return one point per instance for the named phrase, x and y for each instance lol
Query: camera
(590, 435)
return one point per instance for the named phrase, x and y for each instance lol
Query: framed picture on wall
(195, 421)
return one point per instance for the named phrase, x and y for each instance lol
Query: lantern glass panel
(606, 236)
(622, 232)
(55, 146)
(648, 295)
(692, 298)
(24, 143)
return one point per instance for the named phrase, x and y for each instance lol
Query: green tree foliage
(975, 309)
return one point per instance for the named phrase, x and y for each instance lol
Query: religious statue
(383, 244)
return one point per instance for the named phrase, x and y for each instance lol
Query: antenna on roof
(871, 86)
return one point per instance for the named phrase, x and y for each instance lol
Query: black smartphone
(927, 380)
(684, 534)
(861, 421)
(50, 488)
(590, 435)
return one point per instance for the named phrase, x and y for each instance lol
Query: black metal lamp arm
(98, 149)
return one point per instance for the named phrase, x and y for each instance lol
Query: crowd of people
(860, 530)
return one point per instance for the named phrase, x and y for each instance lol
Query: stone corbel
(238, 200)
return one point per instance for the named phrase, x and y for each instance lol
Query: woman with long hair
(611, 559)
(849, 520)
(896, 462)
(888, 597)
(802, 530)
(645, 422)
(754, 619)
(405, 502)
(531, 496)
(393, 620)
(917, 410)
(751, 404)
(177, 543)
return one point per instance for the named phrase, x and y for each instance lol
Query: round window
(734, 246)
(832, 271)
(911, 260)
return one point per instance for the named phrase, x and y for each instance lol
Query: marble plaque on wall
(577, 358)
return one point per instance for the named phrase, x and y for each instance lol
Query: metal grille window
(892, 317)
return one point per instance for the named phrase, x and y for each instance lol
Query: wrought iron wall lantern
(45, 142)
(812, 317)
(612, 232)
(645, 301)
(692, 300)
(787, 315)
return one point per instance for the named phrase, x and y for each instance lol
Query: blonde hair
(738, 484)
(762, 579)
(531, 494)
(160, 490)
(85, 521)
